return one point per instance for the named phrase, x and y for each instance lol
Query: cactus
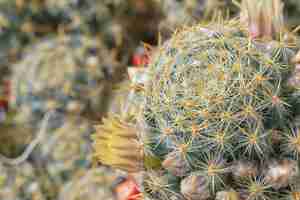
(69, 73)
(219, 112)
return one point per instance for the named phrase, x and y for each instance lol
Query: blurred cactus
(90, 185)
(69, 74)
(217, 98)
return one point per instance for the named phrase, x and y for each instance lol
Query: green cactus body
(214, 106)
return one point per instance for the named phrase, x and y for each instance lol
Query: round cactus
(219, 113)
(69, 74)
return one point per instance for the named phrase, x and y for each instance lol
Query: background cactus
(219, 112)
(70, 74)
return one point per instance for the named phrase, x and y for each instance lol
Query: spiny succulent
(219, 112)
(69, 74)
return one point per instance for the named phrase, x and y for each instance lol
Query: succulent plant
(70, 74)
(219, 115)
